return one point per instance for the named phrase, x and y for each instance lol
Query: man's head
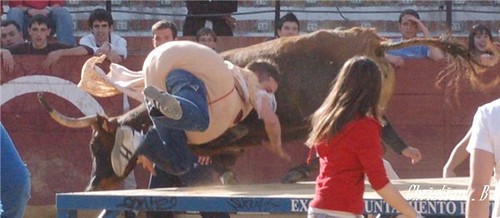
(288, 25)
(39, 31)
(407, 27)
(11, 33)
(163, 31)
(101, 24)
(267, 73)
(207, 36)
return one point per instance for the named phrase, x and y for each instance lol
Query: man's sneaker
(126, 143)
(164, 102)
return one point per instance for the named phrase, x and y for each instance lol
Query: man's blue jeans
(166, 143)
(59, 16)
(15, 179)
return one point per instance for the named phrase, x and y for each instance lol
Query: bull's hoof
(228, 178)
(298, 173)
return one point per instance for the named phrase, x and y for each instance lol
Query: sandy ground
(49, 211)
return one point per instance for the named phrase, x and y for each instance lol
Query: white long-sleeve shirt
(118, 44)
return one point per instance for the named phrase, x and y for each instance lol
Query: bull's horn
(64, 120)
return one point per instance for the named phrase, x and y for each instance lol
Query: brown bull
(308, 64)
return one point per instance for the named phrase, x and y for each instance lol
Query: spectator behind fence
(205, 14)
(163, 31)
(61, 22)
(409, 25)
(207, 36)
(39, 32)
(11, 33)
(288, 25)
(15, 179)
(103, 40)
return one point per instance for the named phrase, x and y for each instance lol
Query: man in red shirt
(21, 11)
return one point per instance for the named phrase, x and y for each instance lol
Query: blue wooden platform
(436, 197)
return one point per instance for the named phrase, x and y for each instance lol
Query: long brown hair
(356, 91)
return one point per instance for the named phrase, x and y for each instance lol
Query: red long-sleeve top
(344, 160)
(35, 4)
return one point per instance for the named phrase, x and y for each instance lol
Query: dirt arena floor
(49, 211)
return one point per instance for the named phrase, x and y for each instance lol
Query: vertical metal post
(108, 6)
(277, 10)
(448, 14)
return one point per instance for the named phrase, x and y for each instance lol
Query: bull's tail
(461, 63)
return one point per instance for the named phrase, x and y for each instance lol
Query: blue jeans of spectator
(15, 179)
(166, 143)
(61, 20)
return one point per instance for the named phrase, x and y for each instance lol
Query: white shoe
(127, 141)
(164, 102)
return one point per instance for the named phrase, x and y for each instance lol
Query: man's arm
(397, 61)
(273, 128)
(457, 156)
(54, 56)
(481, 168)
(434, 53)
(86, 40)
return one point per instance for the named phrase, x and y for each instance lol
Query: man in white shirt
(102, 39)
(484, 146)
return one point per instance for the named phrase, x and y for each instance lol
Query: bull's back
(308, 64)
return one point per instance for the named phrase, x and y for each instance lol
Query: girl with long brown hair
(346, 134)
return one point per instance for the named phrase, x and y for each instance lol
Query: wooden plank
(436, 196)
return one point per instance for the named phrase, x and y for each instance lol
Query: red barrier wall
(59, 158)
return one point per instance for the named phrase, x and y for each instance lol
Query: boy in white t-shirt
(102, 39)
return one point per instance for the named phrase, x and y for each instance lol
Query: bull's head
(102, 141)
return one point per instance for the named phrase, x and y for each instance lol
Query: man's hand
(204, 160)
(276, 149)
(412, 153)
(114, 57)
(104, 49)
(52, 58)
(146, 164)
(420, 25)
(8, 60)
(395, 60)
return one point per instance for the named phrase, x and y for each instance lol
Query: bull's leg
(390, 138)
(222, 162)
(301, 171)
